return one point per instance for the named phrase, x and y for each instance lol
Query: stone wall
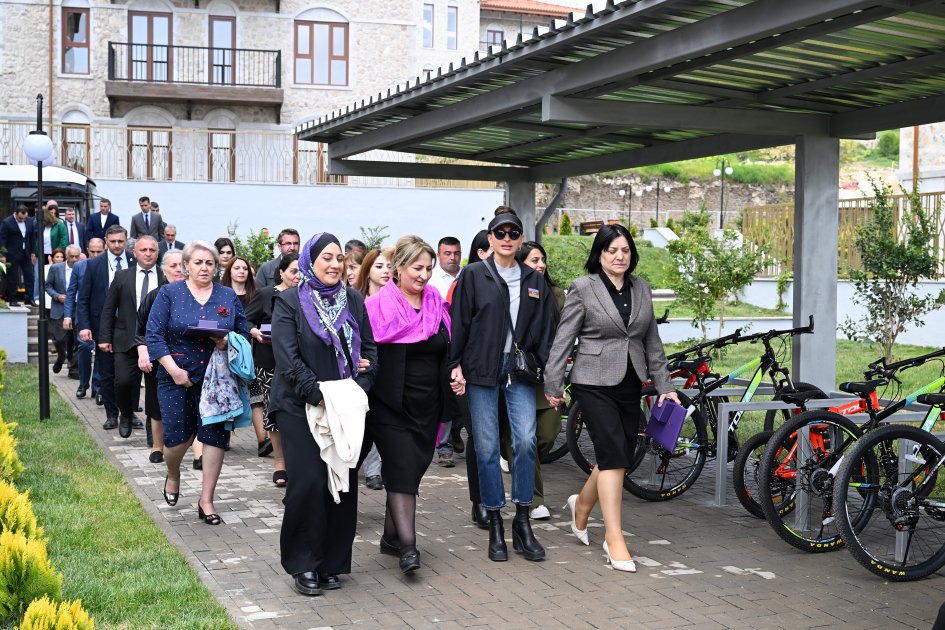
(511, 24)
(592, 197)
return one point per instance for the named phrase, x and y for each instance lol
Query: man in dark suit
(82, 367)
(18, 245)
(170, 240)
(76, 231)
(99, 274)
(57, 285)
(120, 323)
(100, 221)
(148, 221)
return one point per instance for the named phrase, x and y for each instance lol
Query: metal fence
(201, 155)
(194, 64)
(774, 224)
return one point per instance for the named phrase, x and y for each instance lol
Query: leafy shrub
(567, 255)
(16, 512)
(565, 228)
(888, 145)
(44, 614)
(10, 465)
(257, 248)
(374, 236)
(25, 574)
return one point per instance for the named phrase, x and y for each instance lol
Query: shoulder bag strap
(507, 313)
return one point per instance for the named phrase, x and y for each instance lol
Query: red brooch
(223, 311)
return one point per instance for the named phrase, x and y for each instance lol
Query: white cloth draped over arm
(338, 429)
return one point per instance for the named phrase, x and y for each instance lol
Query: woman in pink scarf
(411, 327)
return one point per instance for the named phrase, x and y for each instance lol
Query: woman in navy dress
(183, 362)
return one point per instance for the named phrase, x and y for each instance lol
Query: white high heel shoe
(620, 565)
(580, 533)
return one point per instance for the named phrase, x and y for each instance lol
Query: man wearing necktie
(148, 221)
(99, 274)
(119, 325)
(76, 230)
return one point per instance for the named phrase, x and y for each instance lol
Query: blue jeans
(484, 409)
(84, 351)
(372, 463)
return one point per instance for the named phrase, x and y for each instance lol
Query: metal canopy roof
(638, 82)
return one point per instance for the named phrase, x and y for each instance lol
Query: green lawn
(114, 558)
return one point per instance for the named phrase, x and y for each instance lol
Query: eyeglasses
(500, 234)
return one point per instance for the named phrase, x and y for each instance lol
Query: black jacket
(480, 320)
(15, 245)
(119, 322)
(389, 384)
(303, 360)
(259, 312)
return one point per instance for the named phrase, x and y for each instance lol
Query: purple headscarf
(326, 307)
(394, 320)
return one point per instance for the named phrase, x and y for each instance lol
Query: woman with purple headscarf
(411, 325)
(320, 332)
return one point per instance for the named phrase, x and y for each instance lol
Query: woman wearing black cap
(320, 332)
(502, 304)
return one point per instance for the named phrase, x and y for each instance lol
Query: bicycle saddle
(934, 400)
(862, 388)
(799, 398)
(695, 364)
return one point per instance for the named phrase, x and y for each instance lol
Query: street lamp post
(39, 149)
(627, 193)
(721, 170)
(667, 189)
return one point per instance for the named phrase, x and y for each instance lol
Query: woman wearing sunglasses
(499, 305)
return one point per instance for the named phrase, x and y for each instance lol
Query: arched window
(321, 48)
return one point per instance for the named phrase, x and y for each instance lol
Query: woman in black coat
(320, 332)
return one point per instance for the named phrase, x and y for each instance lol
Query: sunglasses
(500, 234)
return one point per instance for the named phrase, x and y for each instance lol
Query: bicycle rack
(726, 409)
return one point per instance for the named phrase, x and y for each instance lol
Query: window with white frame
(452, 26)
(428, 26)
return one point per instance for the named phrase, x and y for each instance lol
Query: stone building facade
(507, 19)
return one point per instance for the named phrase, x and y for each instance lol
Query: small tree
(257, 248)
(374, 236)
(565, 228)
(710, 271)
(893, 261)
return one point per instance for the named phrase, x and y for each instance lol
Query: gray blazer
(138, 228)
(601, 357)
(56, 286)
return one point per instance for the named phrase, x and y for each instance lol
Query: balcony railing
(231, 67)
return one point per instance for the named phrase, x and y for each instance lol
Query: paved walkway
(699, 566)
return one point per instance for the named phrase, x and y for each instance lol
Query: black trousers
(15, 267)
(106, 380)
(472, 468)
(317, 533)
(127, 382)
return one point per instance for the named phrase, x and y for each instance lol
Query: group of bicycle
(833, 474)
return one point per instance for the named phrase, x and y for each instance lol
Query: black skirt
(611, 415)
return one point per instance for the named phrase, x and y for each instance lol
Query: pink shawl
(394, 320)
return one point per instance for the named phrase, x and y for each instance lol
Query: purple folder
(266, 330)
(206, 328)
(666, 424)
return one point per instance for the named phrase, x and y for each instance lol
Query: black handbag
(523, 364)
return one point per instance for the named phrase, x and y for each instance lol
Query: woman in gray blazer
(610, 311)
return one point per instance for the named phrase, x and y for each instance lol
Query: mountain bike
(801, 460)
(895, 471)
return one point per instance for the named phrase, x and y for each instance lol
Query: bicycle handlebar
(699, 348)
(664, 318)
(880, 366)
(801, 330)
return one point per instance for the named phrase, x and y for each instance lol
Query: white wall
(203, 210)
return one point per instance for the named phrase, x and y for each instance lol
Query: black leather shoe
(328, 581)
(110, 423)
(124, 427)
(389, 548)
(409, 559)
(57, 366)
(523, 539)
(99, 400)
(479, 516)
(136, 423)
(374, 482)
(73, 375)
(498, 552)
(156, 457)
(307, 583)
(80, 392)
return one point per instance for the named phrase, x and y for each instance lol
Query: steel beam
(906, 114)
(603, 134)
(661, 154)
(371, 168)
(694, 117)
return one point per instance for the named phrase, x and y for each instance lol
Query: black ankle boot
(523, 540)
(479, 516)
(498, 552)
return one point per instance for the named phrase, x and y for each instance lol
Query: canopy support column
(521, 196)
(816, 232)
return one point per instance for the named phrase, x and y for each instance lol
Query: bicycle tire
(660, 475)
(577, 439)
(786, 414)
(906, 525)
(782, 470)
(745, 476)
(560, 447)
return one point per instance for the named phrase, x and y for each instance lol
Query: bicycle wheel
(660, 474)
(785, 414)
(796, 482)
(746, 472)
(560, 447)
(905, 539)
(578, 441)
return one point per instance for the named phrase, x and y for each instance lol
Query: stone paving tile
(698, 566)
